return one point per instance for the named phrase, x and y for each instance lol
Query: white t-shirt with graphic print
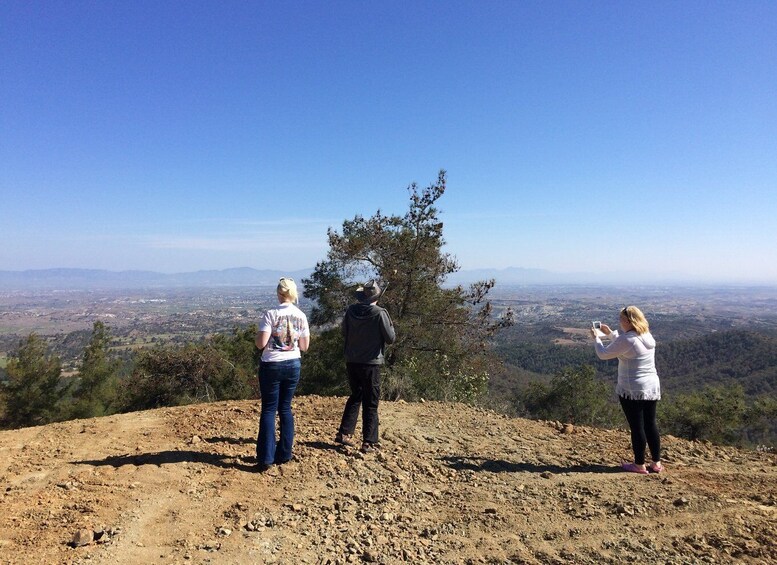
(286, 324)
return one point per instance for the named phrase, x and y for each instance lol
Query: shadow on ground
(461, 463)
(160, 458)
(230, 440)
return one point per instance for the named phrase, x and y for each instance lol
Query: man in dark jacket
(367, 328)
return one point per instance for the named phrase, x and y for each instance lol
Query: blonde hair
(636, 318)
(287, 290)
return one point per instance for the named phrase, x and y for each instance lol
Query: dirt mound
(451, 484)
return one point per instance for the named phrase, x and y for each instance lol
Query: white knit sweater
(636, 354)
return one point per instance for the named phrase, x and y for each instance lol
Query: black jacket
(367, 328)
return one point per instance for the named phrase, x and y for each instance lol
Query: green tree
(239, 351)
(715, 413)
(443, 333)
(761, 421)
(573, 395)
(97, 390)
(323, 366)
(34, 388)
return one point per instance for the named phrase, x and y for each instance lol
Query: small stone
(82, 537)
(211, 545)
(627, 510)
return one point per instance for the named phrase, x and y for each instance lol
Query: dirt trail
(452, 484)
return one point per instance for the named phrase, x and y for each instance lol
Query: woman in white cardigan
(638, 389)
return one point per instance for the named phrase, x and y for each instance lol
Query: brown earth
(451, 484)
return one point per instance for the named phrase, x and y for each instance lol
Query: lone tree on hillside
(98, 379)
(442, 349)
(32, 394)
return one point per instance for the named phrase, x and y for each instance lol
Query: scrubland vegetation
(704, 398)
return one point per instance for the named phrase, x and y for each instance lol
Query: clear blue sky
(578, 136)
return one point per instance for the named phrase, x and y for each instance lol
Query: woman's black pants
(641, 415)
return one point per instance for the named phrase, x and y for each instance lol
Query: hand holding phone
(597, 329)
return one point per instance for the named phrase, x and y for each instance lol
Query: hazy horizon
(619, 140)
(504, 277)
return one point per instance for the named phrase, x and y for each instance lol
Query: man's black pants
(364, 381)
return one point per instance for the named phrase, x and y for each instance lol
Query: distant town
(159, 316)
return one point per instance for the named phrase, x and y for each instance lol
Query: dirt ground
(451, 484)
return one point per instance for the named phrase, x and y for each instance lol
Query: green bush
(573, 395)
(761, 422)
(239, 351)
(714, 413)
(323, 366)
(182, 375)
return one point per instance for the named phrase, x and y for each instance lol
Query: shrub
(573, 395)
(715, 413)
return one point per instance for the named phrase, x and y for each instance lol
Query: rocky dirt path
(452, 484)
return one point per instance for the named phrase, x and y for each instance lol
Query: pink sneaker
(655, 467)
(634, 468)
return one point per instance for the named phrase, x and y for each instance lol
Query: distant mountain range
(70, 279)
(96, 278)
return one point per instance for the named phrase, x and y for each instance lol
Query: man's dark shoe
(343, 439)
(368, 447)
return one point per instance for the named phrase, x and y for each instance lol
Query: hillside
(740, 357)
(452, 484)
(734, 357)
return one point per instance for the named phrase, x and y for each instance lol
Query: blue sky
(578, 136)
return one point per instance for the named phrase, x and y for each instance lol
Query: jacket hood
(365, 311)
(648, 340)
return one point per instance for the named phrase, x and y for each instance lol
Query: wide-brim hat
(368, 292)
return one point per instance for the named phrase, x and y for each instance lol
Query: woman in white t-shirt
(283, 334)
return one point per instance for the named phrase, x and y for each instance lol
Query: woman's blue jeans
(277, 383)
